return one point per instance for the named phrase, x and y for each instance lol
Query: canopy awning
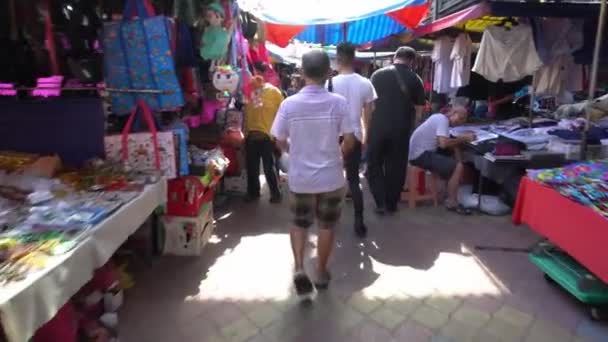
(458, 18)
(478, 17)
(333, 21)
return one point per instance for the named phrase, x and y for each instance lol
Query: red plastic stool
(417, 190)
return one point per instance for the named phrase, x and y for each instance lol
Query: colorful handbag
(143, 151)
(137, 56)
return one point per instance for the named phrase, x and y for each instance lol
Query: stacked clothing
(584, 182)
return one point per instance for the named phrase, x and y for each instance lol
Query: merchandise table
(27, 304)
(578, 230)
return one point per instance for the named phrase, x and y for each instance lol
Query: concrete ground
(417, 277)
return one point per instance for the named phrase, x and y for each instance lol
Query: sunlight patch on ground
(451, 275)
(260, 268)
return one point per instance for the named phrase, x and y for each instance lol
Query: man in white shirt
(360, 95)
(434, 134)
(313, 120)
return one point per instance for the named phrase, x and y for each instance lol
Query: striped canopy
(332, 21)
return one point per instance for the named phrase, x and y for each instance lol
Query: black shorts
(436, 162)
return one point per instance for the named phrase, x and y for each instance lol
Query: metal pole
(432, 79)
(531, 111)
(593, 77)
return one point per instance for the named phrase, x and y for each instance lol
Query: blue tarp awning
(332, 21)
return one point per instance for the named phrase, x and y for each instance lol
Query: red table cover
(576, 229)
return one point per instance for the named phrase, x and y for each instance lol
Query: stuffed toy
(214, 43)
(233, 134)
(226, 81)
(256, 84)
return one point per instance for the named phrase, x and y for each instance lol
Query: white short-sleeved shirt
(313, 120)
(507, 54)
(358, 91)
(461, 56)
(442, 49)
(425, 136)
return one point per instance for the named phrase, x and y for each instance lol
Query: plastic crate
(572, 149)
(569, 274)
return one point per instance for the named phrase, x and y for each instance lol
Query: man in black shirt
(397, 111)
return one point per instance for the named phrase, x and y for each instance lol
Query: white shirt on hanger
(552, 79)
(443, 65)
(507, 54)
(461, 57)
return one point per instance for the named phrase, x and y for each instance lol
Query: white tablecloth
(26, 305)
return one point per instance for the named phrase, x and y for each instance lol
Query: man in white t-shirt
(425, 143)
(313, 120)
(360, 95)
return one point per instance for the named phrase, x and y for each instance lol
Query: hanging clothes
(552, 79)
(555, 37)
(442, 50)
(461, 57)
(507, 53)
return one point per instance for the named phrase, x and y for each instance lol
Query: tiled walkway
(417, 277)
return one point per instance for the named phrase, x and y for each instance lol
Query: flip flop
(460, 210)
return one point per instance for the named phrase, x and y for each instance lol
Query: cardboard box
(186, 236)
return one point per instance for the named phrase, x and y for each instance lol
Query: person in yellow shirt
(259, 116)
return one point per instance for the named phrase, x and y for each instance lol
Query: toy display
(226, 81)
(257, 86)
(583, 182)
(214, 42)
(213, 161)
(41, 216)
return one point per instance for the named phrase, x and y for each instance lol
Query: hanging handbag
(137, 56)
(185, 60)
(143, 151)
(180, 140)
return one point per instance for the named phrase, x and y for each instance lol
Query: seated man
(433, 134)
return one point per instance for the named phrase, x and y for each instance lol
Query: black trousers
(386, 167)
(258, 147)
(352, 175)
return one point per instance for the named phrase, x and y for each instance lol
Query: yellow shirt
(260, 119)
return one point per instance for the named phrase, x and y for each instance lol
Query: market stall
(94, 142)
(574, 227)
(545, 80)
(41, 294)
(527, 109)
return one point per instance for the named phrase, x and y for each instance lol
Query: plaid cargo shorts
(326, 207)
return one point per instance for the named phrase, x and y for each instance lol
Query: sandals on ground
(322, 282)
(459, 209)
